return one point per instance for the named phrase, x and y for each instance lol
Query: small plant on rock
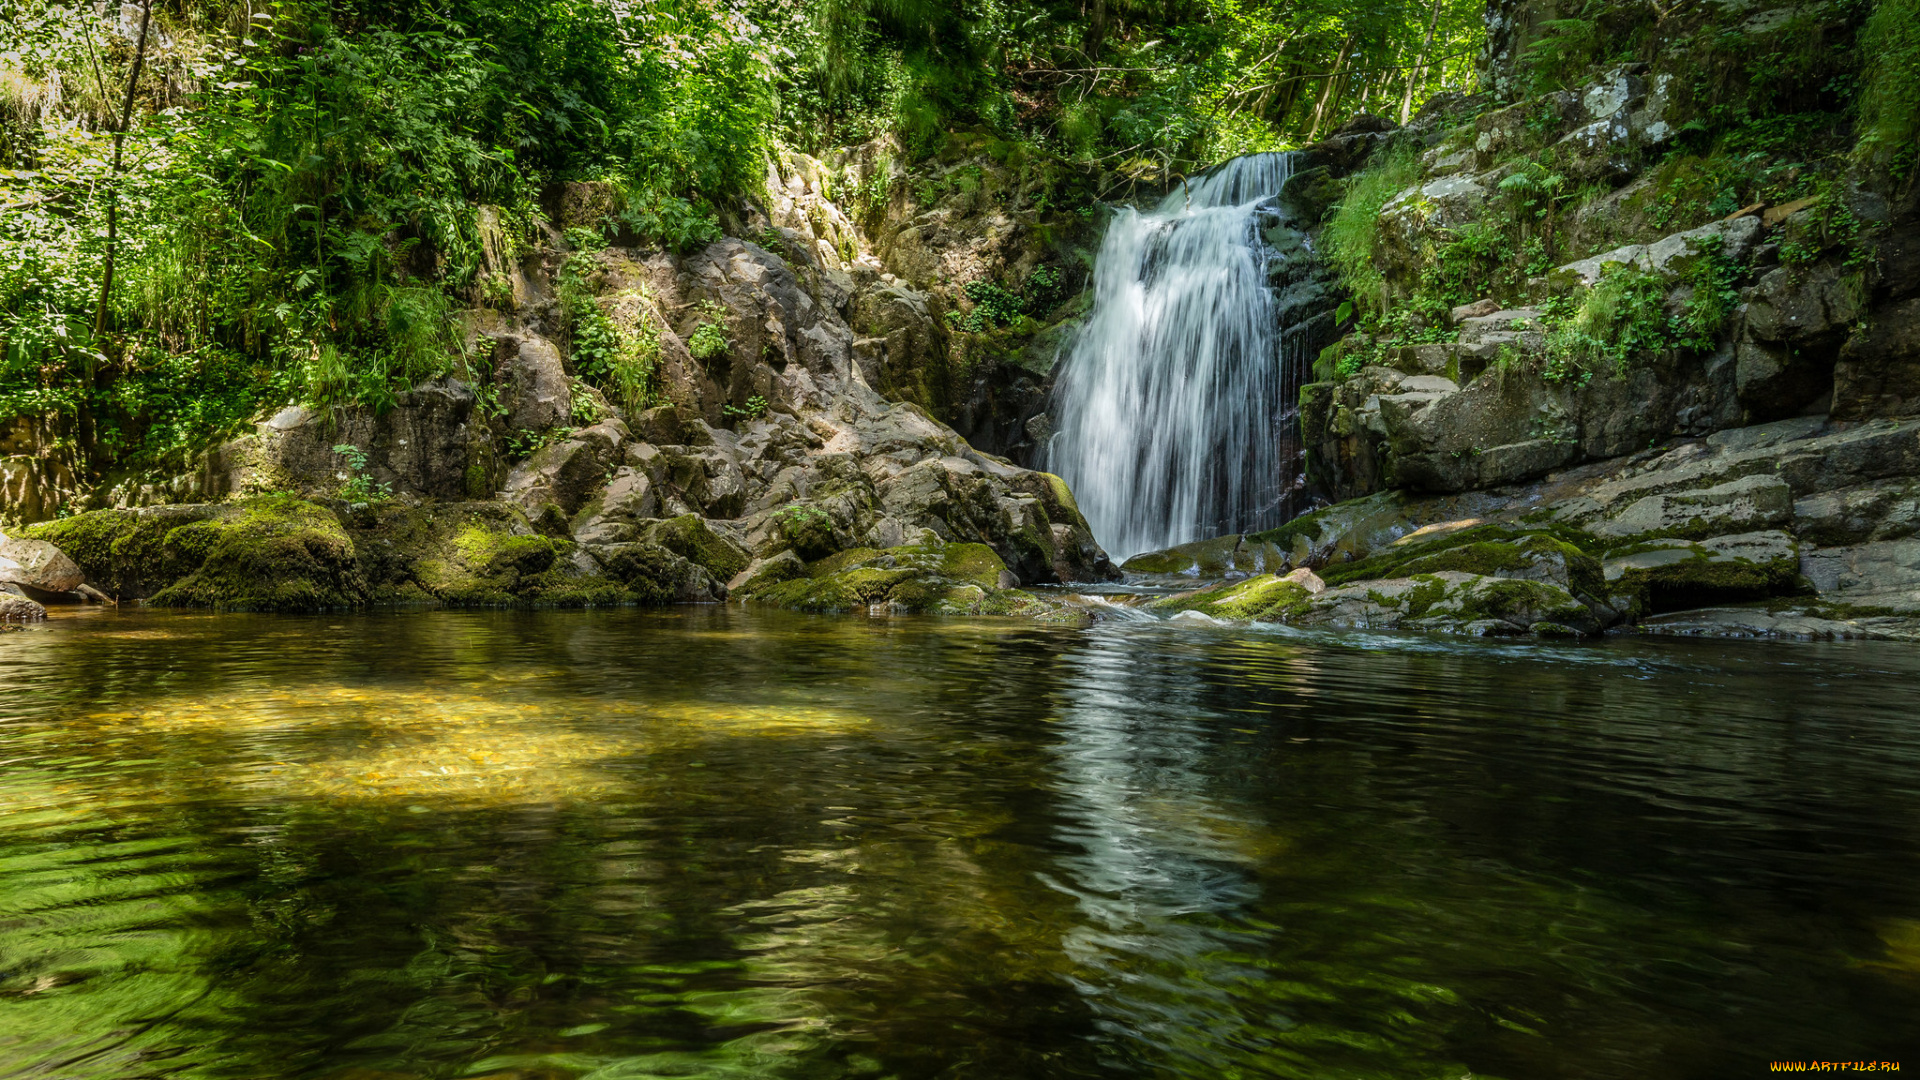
(754, 409)
(355, 484)
(707, 342)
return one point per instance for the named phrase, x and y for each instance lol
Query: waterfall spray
(1175, 406)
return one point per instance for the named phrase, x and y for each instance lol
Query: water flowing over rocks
(1173, 413)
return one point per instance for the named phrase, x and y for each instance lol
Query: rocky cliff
(784, 409)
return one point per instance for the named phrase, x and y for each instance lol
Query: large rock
(1796, 322)
(19, 609)
(272, 553)
(1670, 257)
(279, 553)
(1882, 510)
(901, 348)
(1877, 577)
(532, 382)
(1412, 219)
(947, 579)
(566, 474)
(1878, 373)
(37, 566)
(1743, 505)
(430, 443)
(1670, 575)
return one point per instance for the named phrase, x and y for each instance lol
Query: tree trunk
(1419, 66)
(113, 176)
(1097, 29)
(1326, 89)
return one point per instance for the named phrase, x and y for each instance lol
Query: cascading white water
(1174, 404)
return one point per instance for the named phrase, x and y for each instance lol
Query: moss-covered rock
(689, 537)
(1211, 558)
(1267, 598)
(804, 529)
(280, 553)
(953, 579)
(1551, 553)
(651, 574)
(132, 554)
(1453, 601)
(1672, 574)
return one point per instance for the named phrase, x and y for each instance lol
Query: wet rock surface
(1809, 526)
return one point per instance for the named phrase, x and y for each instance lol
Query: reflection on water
(719, 844)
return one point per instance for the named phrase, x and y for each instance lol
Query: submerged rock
(20, 609)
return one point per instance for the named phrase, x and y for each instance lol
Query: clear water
(721, 844)
(1172, 405)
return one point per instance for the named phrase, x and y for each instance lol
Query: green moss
(1062, 498)
(1267, 598)
(804, 529)
(1890, 97)
(1171, 561)
(1482, 549)
(476, 480)
(870, 585)
(908, 578)
(808, 594)
(132, 553)
(1352, 229)
(918, 594)
(1520, 602)
(973, 564)
(1704, 581)
(689, 537)
(646, 571)
(1417, 601)
(491, 551)
(280, 554)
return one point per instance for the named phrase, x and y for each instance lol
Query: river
(708, 842)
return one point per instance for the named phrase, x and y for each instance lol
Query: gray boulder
(37, 566)
(14, 608)
(533, 383)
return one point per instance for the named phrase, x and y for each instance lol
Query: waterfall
(1175, 407)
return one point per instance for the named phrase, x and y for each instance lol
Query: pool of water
(710, 843)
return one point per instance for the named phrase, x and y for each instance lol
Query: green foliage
(668, 220)
(1564, 51)
(708, 342)
(754, 409)
(994, 306)
(1475, 260)
(1889, 126)
(621, 364)
(1628, 315)
(358, 486)
(584, 240)
(1623, 315)
(1352, 228)
(303, 216)
(527, 442)
(1152, 89)
(301, 220)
